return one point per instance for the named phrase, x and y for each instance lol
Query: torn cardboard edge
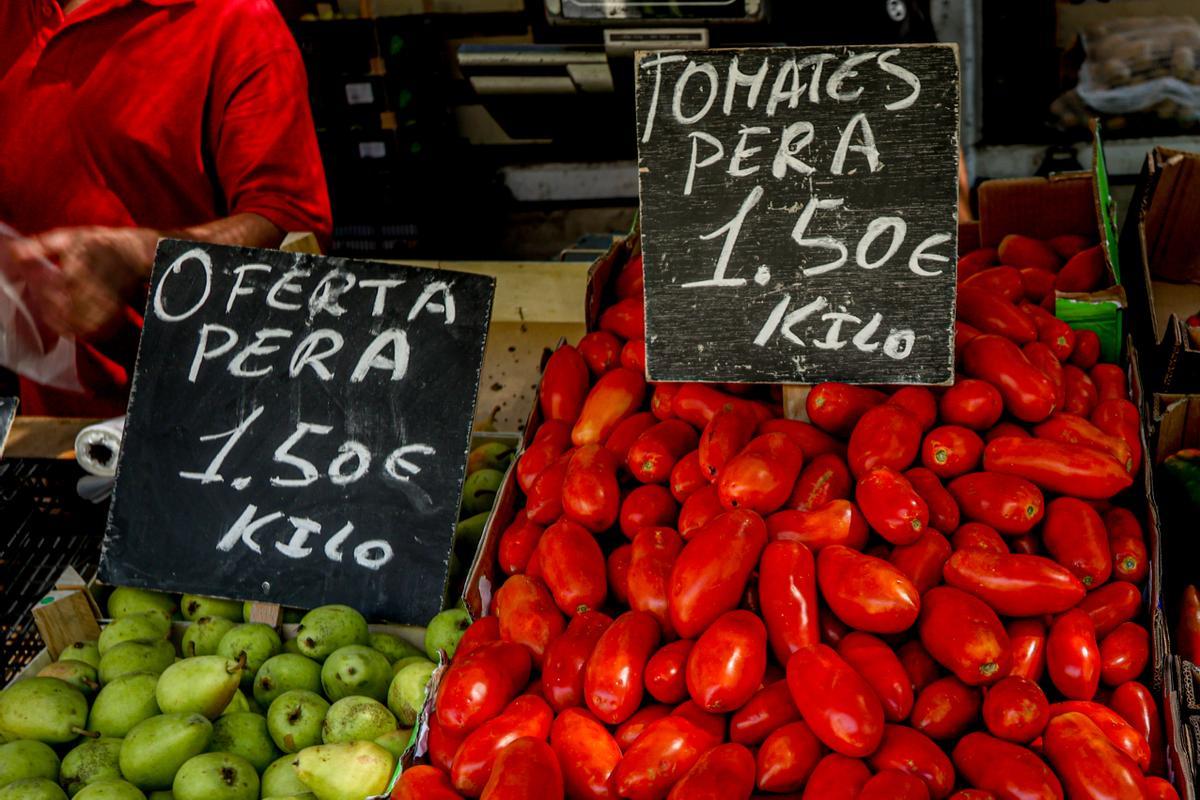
(1160, 246)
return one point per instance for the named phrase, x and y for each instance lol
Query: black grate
(44, 527)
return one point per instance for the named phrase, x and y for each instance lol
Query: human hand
(100, 271)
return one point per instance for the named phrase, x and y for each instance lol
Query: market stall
(816, 492)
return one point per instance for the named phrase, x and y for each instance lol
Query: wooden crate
(537, 304)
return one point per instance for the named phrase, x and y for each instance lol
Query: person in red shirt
(125, 121)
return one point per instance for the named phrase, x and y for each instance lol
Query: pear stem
(241, 663)
(81, 732)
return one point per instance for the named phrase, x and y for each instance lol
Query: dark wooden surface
(708, 332)
(166, 530)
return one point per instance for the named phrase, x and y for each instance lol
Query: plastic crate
(44, 527)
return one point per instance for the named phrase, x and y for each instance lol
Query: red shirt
(151, 113)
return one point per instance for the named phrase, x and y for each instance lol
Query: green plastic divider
(1102, 316)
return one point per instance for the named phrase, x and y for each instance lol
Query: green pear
(126, 600)
(292, 646)
(81, 675)
(110, 790)
(285, 672)
(146, 627)
(44, 709)
(281, 778)
(469, 531)
(203, 685)
(26, 758)
(404, 662)
(393, 647)
(252, 641)
(239, 704)
(445, 631)
(345, 771)
(94, 760)
(395, 742)
(202, 636)
(356, 670)
(216, 776)
(327, 628)
(295, 718)
(406, 695)
(87, 651)
(130, 657)
(490, 455)
(479, 490)
(195, 606)
(244, 735)
(155, 749)
(353, 718)
(32, 789)
(123, 703)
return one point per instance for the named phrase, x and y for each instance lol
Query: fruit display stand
(508, 537)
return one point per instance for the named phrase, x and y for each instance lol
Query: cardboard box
(84, 616)
(1182, 729)
(1160, 245)
(1066, 203)
(484, 576)
(1174, 422)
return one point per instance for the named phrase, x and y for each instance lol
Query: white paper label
(372, 150)
(358, 94)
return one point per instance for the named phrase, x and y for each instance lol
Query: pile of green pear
(234, 713)
(485, 474)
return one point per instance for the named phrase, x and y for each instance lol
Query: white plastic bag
(1137, 64)
(27, 347)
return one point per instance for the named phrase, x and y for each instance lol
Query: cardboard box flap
(968, 236)
(1169, 223)
(1177, 420)
(1038, 207)
(1104, 205)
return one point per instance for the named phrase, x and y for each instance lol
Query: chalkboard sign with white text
(298, 430)
(799, 213)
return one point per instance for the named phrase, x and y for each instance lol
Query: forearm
(243, 230)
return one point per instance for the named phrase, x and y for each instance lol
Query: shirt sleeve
(263, 143)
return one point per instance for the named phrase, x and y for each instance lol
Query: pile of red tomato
(922, 593)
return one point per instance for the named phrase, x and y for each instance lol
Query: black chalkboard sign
(298, 430)
(798, 212)
(8, 412)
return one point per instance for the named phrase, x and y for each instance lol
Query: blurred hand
(100, 271)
